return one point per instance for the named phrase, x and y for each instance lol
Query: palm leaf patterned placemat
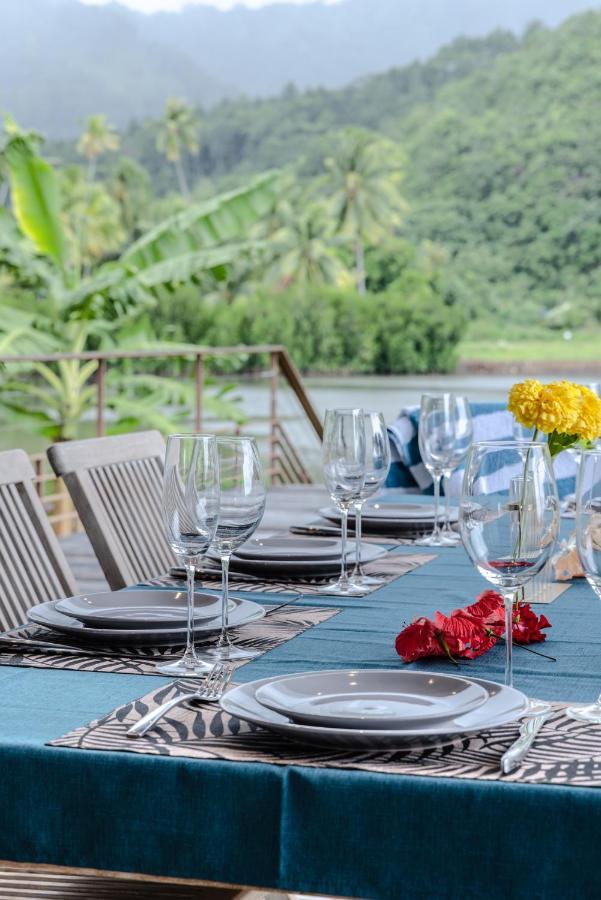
(388, 567)
(565, 752)
(274, 629)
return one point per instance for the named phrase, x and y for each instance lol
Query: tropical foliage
(59, 236)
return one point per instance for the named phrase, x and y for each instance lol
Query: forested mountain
(500, 139)
(60, 59)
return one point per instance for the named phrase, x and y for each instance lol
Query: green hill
(502, 143)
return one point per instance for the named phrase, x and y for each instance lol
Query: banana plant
(90, 312)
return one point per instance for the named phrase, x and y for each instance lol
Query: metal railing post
(100, 396)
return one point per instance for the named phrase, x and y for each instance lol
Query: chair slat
(116, 486)
(33, 568)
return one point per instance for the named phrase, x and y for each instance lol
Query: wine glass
(344, 475)
(462, 431)
(509, 518)
(588, 542)
(435, 437)
(240, 512)
(190, 509)
(377, 463)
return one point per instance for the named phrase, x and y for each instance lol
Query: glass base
(227, 653)
(367, 581)
(433, 540)
(452, 538)
(186, 667)
(590, 713)
(341, 589)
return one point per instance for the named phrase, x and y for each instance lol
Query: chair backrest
(115, 484)
(33, 567)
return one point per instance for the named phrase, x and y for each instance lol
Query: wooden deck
(291, 504)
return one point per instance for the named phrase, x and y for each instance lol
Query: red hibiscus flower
(527, 625)
(468, 633)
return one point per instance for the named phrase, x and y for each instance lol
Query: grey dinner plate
(290, 549)
(279, 568)
(140, 608)
(371, 698)
(49, 616)
(504, 705)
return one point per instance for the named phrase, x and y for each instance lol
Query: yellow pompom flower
(559, 408)
(524, 402)
(588, 423)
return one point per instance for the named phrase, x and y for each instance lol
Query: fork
(211, 690)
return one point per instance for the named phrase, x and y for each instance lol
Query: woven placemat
(388, 568)
(565, 752)
(274, 629)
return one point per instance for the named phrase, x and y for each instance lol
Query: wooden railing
(285, 463)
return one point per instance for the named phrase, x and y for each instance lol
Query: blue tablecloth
(332, 831)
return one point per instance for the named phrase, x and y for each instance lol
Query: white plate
(402, 515)
(47, 615)
(139, 609)
(290, 549)
(371, 698)
(280, 568)
(504, 705)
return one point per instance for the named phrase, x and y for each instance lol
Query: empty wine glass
(344, 474)
(377, 463)
(509, 518)
(588, 542)
(462, 432)
(190, 508)
(241, 509)
(436, 439)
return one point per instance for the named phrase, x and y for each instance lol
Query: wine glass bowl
(242, 504)
(509, 517)
(190, 509)
(377, 464)
(343, 456)
(444, 435)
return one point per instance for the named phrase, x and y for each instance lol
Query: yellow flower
(559, 405)
(588, 423)
(524, 402)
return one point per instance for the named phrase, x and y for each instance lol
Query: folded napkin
(492, 422)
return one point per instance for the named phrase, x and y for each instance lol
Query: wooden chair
(115, 484)
(33, 567)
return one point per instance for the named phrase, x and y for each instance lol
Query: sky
(150, 6)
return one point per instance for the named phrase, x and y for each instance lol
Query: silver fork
(211, 689)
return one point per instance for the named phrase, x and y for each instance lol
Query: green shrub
(407, 329)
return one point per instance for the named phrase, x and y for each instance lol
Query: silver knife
(530, 727)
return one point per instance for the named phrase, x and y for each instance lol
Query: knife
(530, 727)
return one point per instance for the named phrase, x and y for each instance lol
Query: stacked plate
(374, 708)
(404, 519)
(148, 617)
(289, 557)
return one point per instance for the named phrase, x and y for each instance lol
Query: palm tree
(303, 250)
(363, 179)
(99, 137)
(178, 132)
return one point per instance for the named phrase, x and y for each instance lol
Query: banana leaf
(224, 218)
(36, 199)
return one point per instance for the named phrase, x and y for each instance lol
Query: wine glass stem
(357, 571)
(343, 534)
(437, 477)
(190, 653)
(224, 640)
(447, 502)
(509, 597)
